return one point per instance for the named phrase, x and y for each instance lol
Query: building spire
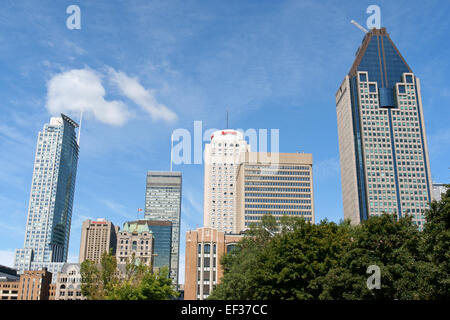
(79, 129)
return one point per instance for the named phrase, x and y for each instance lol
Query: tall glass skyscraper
(382, 139)
(52, 191)
(163, 202)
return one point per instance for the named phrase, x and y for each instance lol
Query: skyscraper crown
(379, 56)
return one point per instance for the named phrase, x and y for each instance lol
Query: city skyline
(282, 77)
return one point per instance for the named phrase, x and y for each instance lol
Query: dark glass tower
(163, 203)
(382, 139)
(162, 233)
(51, 200)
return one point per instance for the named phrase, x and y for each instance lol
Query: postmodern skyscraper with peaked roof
(51, 200)
(382, 140)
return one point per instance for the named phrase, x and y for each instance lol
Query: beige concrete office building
(222, 156)
(97, 237)
(382, 140)
(204, 248)
(277, 184)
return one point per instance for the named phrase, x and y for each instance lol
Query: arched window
(207, 248)
(231, 247)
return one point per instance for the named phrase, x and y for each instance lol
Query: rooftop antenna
(79, 129)
(171, 150)
(359, 26)
(227, 120)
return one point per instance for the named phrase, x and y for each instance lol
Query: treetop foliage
(294, 259)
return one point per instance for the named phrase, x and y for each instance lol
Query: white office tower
(221, 165)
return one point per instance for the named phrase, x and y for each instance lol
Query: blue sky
(145, 68)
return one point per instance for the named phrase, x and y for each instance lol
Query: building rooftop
(8, 271)
(138, 226)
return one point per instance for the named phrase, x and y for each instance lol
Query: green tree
(281, 262)
(105, 282)
(237, 282)
(293, 259)
(97, 280)
(387, 242)
(436, 248)
(298, 260)
(90, 276)
(144, 285)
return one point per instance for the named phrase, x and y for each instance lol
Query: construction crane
(359, 26)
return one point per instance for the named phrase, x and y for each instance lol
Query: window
(206, 289)
(231, 247)
(362, 77)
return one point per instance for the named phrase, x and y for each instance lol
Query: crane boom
(359, 26)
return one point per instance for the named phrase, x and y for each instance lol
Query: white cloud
(74, 48)
(116, 207)
(144, 98)
(7, 258)
(81, 89)
(326, 169)
(72, 258)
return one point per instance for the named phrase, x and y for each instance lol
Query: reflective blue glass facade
(51, 199)
(162, 235)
